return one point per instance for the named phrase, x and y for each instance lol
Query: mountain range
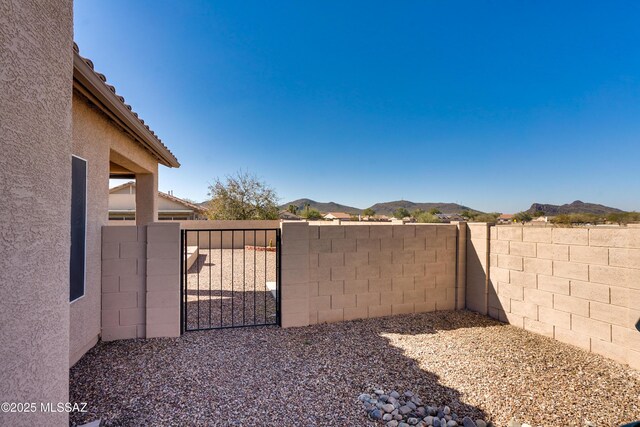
(386, 208)
(322, 206)
(570, 208)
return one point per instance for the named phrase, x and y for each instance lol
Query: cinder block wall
(477, 279)
(578, 285)
(140, 281)
(123, 282)
(332, 273)
(163, 280)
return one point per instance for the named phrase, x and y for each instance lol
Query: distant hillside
(570, 208)
(321, 206)
(388, 208)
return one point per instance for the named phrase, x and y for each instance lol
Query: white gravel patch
(312, 376)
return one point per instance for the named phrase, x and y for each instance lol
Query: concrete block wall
(140, 281)
(332, 273)
(477, 257)
(294, 274)
(123, 282)
(578, 285)
(163, 281)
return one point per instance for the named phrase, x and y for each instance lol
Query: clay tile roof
(166, 156)
(196, 208)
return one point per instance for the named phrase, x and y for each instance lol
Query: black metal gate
(229, 278)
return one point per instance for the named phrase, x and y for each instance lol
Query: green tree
(401, 213)
(623, 217)
(468, 214)
(435, 211)
(311, 214)
(577, 218)
(293, 209)
(488, 217)
(538, 214)
(522, 217)
(368, 212)
(428, 217)
(242, 196)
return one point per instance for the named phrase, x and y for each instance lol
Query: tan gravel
(228, 288)
(268, 376)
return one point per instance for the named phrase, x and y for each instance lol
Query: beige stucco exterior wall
(87, 131)
(95, 138)
(35, 174)
(578, 285)
(122, 201)
(128, 201)
(332, 273)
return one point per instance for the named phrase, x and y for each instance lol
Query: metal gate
(229, 278)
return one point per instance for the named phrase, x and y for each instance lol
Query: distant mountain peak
(321, 206)
(386, 208)
(577, 206)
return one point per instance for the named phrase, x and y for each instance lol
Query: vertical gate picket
(193, 316)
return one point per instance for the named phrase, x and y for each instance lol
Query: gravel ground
(268, 376)
(227, 288)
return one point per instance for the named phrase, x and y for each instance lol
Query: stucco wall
(578, 285)
(128, 202)
(95, 138)
(122, 201)
(332, 273)
(85, 323)
(35, 174)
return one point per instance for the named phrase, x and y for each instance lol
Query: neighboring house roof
(506, 216)
(450, 217)
(338, 215)
(288, 215)
(190, 205)
(94, 86)
(171, 197)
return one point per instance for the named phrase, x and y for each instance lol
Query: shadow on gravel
(225, 308)
(264, 376)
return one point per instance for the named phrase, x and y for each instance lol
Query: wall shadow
(266, 375)
(220, 309)
(480, 291)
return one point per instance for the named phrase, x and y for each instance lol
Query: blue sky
(490, 104)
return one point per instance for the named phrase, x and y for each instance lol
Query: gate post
(294, 265)
(163, 280)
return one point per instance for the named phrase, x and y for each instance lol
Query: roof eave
(84, 76)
